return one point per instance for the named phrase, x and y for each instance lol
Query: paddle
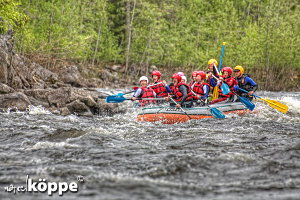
(135, 88)
(118, 98)
(214, 111)
(224, 87)
(272, 103)
(216, 88)
(246, 102)
(180, 108)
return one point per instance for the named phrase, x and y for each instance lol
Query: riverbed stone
(16, 101)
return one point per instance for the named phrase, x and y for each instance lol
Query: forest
(169, 33)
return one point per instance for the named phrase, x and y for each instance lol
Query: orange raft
(171, 115)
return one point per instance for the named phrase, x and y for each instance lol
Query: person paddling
(230, 81)
(244, 82)
(159, 87)
(200, 88)
(181, 92)
(212, 70)
(144, 92)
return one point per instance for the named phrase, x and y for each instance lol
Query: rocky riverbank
(24, 83)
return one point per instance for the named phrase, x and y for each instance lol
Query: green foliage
(10, 17)
(170, 33)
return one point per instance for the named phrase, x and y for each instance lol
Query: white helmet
(184, 78)
(144, 78)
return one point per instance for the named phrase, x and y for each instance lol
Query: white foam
(47, 145)
(37, 110)
(292, 103)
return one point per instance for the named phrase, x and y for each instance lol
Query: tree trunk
(129, 21)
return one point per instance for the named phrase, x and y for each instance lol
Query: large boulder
(5, 89)
(59, 97)
(15, 101)
(79, 108)
(72, 76)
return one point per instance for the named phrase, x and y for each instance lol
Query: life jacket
(198, 88)
(231, 82)
(241, 82)
(179, 95)
(192, 83)
(147, 93)
(159, 89)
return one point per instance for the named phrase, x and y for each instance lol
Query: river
(256, 156)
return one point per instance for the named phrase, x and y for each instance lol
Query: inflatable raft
(171, 115)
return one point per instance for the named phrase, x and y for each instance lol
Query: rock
(59, 97)
(64, 111)
(4, 89)
(107, 77)
(3, 72)
(36, 102)
(44, 74)
(79, 108)
(114, 67)
(107, 108)
(152, 68)
(72, 76)
(39, 94)
(16, 101)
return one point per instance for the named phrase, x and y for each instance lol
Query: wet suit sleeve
(137, 93)
(205, 90)
(183, 90)
(249, 80)
(168, 89)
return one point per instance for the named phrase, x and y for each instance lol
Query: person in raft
(212, 70)
(200, 87)
(159, 87)
(193, 78)
(144, 92)
(183, 79)
(244, 82)
(181, 93)
(230, 81)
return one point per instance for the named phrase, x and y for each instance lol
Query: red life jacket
(231, 82)
(159, 89)
(147, 93)
(179, 95)
(192, 83)
(198, 88)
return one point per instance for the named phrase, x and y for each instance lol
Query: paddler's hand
(251, 93)
(178, 105)
(164, 83)
(167, 98)
(198, 96)
(133, 98)
(221, 78)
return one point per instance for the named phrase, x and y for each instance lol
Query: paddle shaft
(224, 43)
(180, 108)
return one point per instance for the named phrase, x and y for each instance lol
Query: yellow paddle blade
(276, 105)
(216, 93)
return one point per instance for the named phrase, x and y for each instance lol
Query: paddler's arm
(249, 80)
(136, 94)
(184, 91)
(168, 89)
(205, 90)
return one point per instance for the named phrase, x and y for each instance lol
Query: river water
(256, 156)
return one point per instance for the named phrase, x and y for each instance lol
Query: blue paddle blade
(117, 98)
(247, 103)
(216, 113)
(225, 88)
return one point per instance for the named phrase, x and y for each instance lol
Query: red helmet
(202, 74)
(194, 73)
(157, 73)
(177, 76)
(227, 69)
